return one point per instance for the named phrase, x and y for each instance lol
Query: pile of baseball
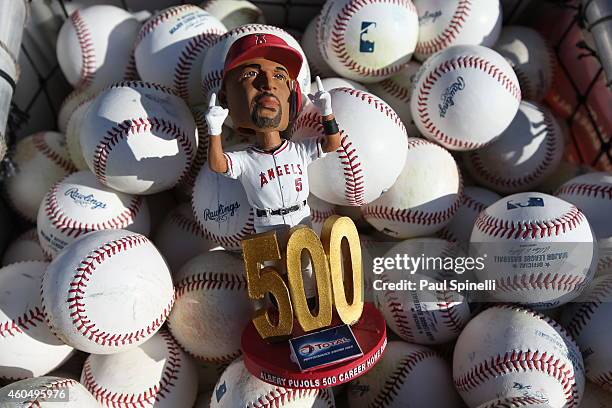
(129, 289)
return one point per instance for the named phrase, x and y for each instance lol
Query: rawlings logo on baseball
(448, 97)
(222, 213)
(432, 16)
(84, 200)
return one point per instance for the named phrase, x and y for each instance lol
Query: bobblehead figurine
(261, 93)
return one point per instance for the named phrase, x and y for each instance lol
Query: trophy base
(271, 362)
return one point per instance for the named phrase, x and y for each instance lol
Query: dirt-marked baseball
(425, 196)
(27, 347)
(26, 247)
(464, 97)
(91, 285)
(138, 137)
(511, 352)
(234, 13)
(46, 392)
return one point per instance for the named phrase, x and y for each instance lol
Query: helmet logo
(261, 39)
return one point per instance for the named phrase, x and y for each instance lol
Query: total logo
(310, 349)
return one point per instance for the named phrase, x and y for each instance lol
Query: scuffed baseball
(234, 13)
(464, 97)
(525, 154)
(46, 392)
(91, 285)
(508, 351)
(26, 247)
(27, 347)
(40, 161)
(138, 137)
(318, 66)
(406, 375)
(425, 196)
(156, 373)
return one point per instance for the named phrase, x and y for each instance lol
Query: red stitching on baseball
(210, 281)
(132, 127)
(201, 153)
(588, 190)
(88, 55)
(131, 72)
(377, 103)
(395, 90)
(187, 224)
(278, 397)
(51, 385)
(379, 212)
(398, 313)
(552, 144)
(466, 61)
(159, 391)
(320, 215)
(159, 18)
(514, 402)
(41, 145)
(449, 315)
(588, 306)
(446, 37)
(552, 281)
(496, 227)
(338, 44)
(473, 204)
(76, 303)
(22, 323)
(141, 85)
(604, 380)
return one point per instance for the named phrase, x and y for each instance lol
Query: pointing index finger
(319, 84)
(213, 99)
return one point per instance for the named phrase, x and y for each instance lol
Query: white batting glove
(215, 116)
(321, 99)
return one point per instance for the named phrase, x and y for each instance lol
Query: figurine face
(257, 95)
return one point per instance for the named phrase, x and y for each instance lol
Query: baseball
(318, 66)
(425, 196)
(361, 40)
(587, 320)
(46, 392)
(595, 397)
(397, 91)
(26, 247)
(604, 265)
(40, 161)
(212, 307)
(319, 212)
(421, 316)
(221, 209)
(352, 175)
(444, 23)
(406, 375)
(336, 82)
(464, 97)
(79, 204)
(592, 194)
(473, 201)
(538, 249)
(531, 57)
(525, 154)
(156, 373)
(73, 135)
(27, 346)
(94, 46)
(234, 13)
(90, 285)
(69, 105)
(179, 237)
(512, 402)
(138, 138)
(508, 352)
(171, 46)
(239, 388)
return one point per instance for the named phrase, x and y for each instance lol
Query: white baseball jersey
(274, 180)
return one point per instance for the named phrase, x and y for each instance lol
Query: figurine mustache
(263, 121)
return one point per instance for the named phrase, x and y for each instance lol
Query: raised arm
(215, 116)
(322, 100)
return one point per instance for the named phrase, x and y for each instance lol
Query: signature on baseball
(428, 15)
(448, 97)
(222, 213)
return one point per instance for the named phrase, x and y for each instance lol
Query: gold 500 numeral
(333, 257)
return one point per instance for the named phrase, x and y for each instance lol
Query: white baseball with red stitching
(234, 13)
(212, 307)
(79, 204)
(592, 193)
(517, 402)
(425, 196)
(47, 392)
(26, 247)
(138, 137)
(369, 158)
(367, 40)
(94, 46)
(107, 292)
(40, 161)
(73, 134)
(222, 209)
(318, 66)
(239, 388)
(157, 373)
(473, 201)
(406, 375)
(537, 248)
(179, 237)
(319, 212)
(69, 105)
(531, 57)
(444, 23)
(514, 352)
(171, 46)
(464, 97)
(29, 348)
(525, 154)
(588, 320)
(422, 316)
